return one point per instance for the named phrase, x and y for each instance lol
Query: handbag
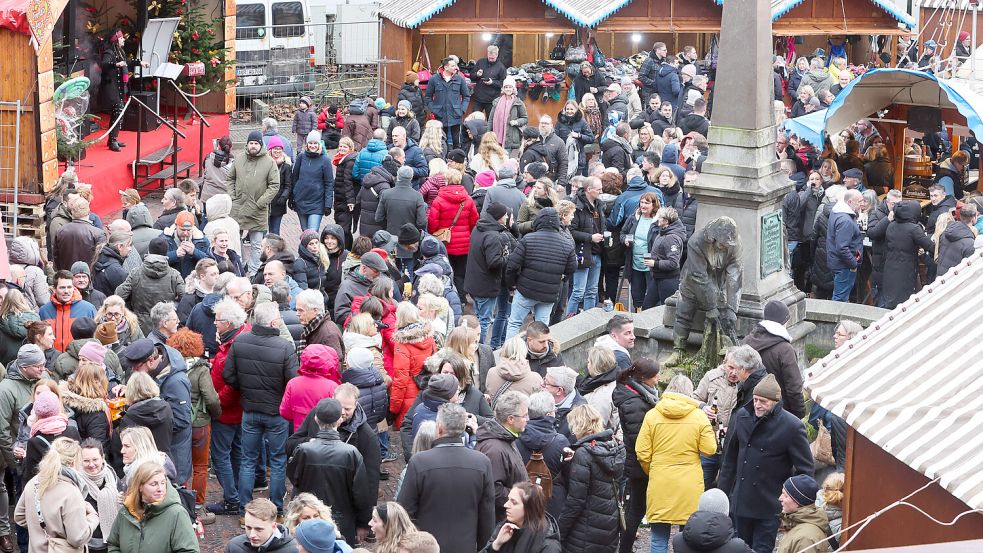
(599, 60)
(559, 51)
(422, 70)
(576, 53)
(444, 234)
(822, 447)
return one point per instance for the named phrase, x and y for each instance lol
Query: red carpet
(110, 172)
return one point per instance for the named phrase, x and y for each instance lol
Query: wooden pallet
(30, 218)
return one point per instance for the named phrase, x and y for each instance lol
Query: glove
(327, 212)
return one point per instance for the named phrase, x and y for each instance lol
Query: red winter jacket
(442, 212)
(316, 379)
(227, 395)
(322, 120)
(414, 344)
(388, 319)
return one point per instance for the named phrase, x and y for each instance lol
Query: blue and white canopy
(586, 13)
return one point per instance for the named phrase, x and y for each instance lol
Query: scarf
(102, 488)
(51, 426)
(123, 328)
(593, 119)
(338, 158)
(500, 119)
(309, 329)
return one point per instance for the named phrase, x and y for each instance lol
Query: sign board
(195, 69)
(772, 243)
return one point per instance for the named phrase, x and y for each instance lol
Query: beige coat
(66, 515)
(518, 373)
(219, 208)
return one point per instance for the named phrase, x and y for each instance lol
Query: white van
(274, 54)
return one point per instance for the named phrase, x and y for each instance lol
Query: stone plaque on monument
(772, 243)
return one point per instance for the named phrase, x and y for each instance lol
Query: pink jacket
(316, 379)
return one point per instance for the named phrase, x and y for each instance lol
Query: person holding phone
(665, 257)
(527, 528)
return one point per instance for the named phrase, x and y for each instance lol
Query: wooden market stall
(622, 28)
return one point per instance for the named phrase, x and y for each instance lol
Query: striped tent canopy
(895, 10)
(941, 4)
(912, 382)
(586, 13)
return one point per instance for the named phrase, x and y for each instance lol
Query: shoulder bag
(444, 234)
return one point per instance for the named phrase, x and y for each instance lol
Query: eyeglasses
(110, 315)
(549, 384)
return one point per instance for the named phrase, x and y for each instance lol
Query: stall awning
(939, 4)
(781, 7)
(586, 13)
(809, 127)
(878, 89)
(912, 382)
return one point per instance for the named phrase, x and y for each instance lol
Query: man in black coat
(259, 365)
(449, 490)
(532, 269)
(772, 341)
(765, 445)
(334, 472)
(616, 150)
(556, 152)
(543, 350)
(488, 75)
(108, 268)
(491, 244)
(877, 225)
(956, 242)
(496, 439)
(401, 204)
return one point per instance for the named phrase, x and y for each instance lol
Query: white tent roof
(912, 382)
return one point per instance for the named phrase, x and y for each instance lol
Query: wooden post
(897, 144)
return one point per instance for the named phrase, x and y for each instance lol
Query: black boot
(115, 145)
(121, 144)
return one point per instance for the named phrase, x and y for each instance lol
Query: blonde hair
(347, 141)
(550, 192)
(141, 387)
(301, 501)
(460, 341)
(133, 323)
(398, 526)
(453, 176)
(514, 349)
(406, 314)
(437, 165)
(440, 306)
(833, 489)
(134, 499)
(599, 360)
(78, 207)
(489, 146)
(143, 443)
(363, 323)
(662, 169)
(584, 420)
(680, 384)
(89, 381)
(564, 208)
(433, 137)
(64, 452)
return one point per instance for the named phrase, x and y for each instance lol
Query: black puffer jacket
(491, 245)
(904, 237)
(108, 272)
(533, 266)
(556, 158)
(565, 125)
(666, 246)
(309, 272)
(259, 365)
(587, 221)
(380, 178)
(633, 400)
(333, 273)
(708, 532)
(877, 224)
(333, 471)
(155, 414)
(278, 206)
(616, 152)
(372, 393)
(821, 277)
(345, 185)
(590, 519)
(955, 244)
(793, 210)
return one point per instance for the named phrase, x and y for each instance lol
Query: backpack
(539, 473)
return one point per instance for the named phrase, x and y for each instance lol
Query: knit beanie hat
(306, 237)
(106, 333)
(80, 268)
(537, 169)
(802, 488)
(530, 133)
(255, 136)
(508, 81)
(380, 103)
(319, 536)
(429, 246)
(776, 311)
(83, 327)
(497, 210)
(457, 156)
(327, 411)
(314, 136)
(485, 178)
(442, 386)
(30, 354)
(93, 352)
(768, 388)
(46, 404)
(715, 501)
(404, 174)
(359, 358)
(274, 142)
(405, 104)
(408, 234)
(305, 100)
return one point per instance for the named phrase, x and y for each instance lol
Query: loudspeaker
(925, 119)
(138, 119)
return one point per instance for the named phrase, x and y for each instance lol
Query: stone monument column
(741, 177)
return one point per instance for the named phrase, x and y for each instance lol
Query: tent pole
(972, 51)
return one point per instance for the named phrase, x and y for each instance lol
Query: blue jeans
(843, 281)
(819, 413)
(255, 238)
(759, 534)
(485, 309)
(310, 221)
(257, 427)
(584, 289)
(522, 306)
(660, 536)
(383, 442)
(275, 221)
(226, 455)
(711, 467)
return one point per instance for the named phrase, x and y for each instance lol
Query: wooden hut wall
(22, 85)
(876, 479)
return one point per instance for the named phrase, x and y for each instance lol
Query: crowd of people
(438, 245)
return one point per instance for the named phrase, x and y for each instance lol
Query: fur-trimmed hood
(413, 333)
(79, 403)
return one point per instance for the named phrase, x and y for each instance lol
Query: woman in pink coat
(316, 379)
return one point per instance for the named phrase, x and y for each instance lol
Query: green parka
(253, 183)
(165, 528)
